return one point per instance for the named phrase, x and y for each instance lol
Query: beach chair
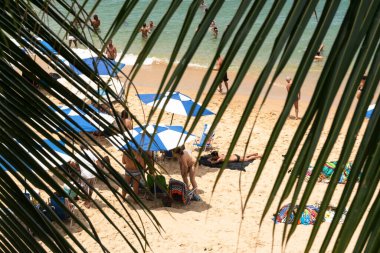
(60, 211)
(167, 155)
(178, 191)
(204, 142)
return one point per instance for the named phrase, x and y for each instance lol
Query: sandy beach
(216, 224)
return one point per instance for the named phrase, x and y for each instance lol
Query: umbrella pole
(171, 121)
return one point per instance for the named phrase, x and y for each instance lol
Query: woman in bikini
(219, 158)
(133, 170)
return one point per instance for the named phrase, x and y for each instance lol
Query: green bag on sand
(160, 182)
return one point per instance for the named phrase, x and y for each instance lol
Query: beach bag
(178, 191)
(156, 183)
(58, 210)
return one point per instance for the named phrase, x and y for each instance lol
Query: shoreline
(149, 77)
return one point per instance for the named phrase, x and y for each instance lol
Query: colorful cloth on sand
(178, 191)
(308, 216)
(328, 170)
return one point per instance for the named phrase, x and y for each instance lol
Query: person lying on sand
(219, 158)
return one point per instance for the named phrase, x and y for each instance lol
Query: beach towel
(231, 165)
(328, 170)
(308, 216)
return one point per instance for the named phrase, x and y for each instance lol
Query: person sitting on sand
(219, 158)
(187, 164)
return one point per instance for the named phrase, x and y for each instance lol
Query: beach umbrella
(101, 66)
(114, 84)
(370, 111)
(165, 138)
(4, 163)
(45, 46)
(178, 103)
(84, 120)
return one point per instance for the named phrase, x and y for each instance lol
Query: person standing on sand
(187, 164)
(132, 170)
(95, 23)
(288, 85)
(144, 31)
(111, 51)
(126, 120)
(225, 77)
(361, 87)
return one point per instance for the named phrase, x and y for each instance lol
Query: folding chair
(207, 143)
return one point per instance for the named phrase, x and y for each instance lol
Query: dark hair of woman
(214, 153)
(124, 114)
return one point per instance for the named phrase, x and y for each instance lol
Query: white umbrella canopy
(165, 138)
(177, 103)
(114, 84)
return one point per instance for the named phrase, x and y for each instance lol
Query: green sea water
(161, 52)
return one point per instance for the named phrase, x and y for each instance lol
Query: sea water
(108, 10)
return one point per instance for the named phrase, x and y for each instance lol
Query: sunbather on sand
(219, 158)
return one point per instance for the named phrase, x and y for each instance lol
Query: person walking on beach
(95, 22)
(144, 31)
(111, 51)
(361, 87)
(187, 164)
(288, 85)
(225, 77)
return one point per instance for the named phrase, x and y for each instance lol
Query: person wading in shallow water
(111, 51)
(95, 22)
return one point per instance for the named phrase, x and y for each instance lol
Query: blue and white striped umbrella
(101, 66)
(84, 120)
(370, 111)
(165, 138)
(4, 164)
(178, 103)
